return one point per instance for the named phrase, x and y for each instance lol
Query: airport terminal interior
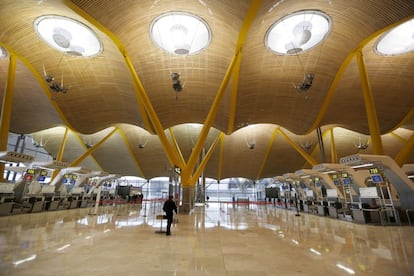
(283, 130)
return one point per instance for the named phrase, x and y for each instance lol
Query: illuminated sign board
(374, 171)
(346, 181)
(30, 171)
(376, 178)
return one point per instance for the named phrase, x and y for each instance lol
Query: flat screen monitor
(376, 178)
(123, 191)
(346, 181)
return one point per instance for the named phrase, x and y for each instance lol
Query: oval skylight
(398, 41)
(180, 33)
(298, 32)
(68, 35)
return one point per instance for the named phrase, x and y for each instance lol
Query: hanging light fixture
(3, 52)
(180, 33)
(298, 32)
(68, 35)
(398, 41)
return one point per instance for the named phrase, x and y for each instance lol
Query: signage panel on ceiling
(352, 159)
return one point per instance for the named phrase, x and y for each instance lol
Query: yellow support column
(6, 110)
(269, 148)
(298, 149)
(207, 157)
(234, 93)
(59, 156)
(334, 155)
(369, 106)
(176, 147)
(210, 118)
(153, 116)
(250, 16)
(405, 152)
(92, 149)
(220, 163)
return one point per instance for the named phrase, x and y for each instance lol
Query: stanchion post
(297, 206)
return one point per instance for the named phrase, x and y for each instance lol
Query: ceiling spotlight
(88, 145)
(298, 32)
(307, 146)
(361, 145)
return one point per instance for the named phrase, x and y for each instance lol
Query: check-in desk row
(366, 213)
(32, 203)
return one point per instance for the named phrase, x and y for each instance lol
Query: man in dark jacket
(168, 208)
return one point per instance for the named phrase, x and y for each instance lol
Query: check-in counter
(33, 203)
(323, 209)
(366, 215)
(310, 207)
(333, 211)
(53, 204)
(77, 197)
(6, 199)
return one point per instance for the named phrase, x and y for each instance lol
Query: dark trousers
(169, 221)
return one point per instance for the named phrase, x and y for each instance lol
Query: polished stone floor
(217, 239)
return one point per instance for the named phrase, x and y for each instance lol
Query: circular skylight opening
(68, 35)
(298, 32)
(180, 33)
(398, 41)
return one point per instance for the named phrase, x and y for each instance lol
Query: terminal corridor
(215, 239)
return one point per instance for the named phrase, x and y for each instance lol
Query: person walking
(169, 207)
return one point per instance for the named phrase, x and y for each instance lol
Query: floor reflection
(217, 231)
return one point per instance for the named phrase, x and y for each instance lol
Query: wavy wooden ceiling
(101, 91)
